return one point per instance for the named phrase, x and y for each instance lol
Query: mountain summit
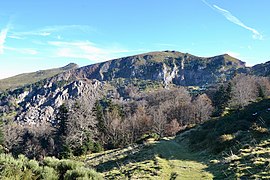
(39, 100)
(165, 66)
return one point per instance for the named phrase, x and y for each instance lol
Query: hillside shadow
(204, 138)
(170, 149)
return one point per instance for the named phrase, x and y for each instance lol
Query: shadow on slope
(165, 159)
(226, 148)
(238, 141)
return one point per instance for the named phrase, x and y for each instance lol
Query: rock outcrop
(42, 104)
(167, 67)
(39, 102)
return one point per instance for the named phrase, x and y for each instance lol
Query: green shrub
(66, 152)
(51, 162)
(32, 164)
(82, 173)
(12, 168)
(48, 173)
(51, 169)
(67, 164)
(97, 147)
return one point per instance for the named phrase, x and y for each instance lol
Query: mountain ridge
(32, 77)
(165, 66)
(40, 101)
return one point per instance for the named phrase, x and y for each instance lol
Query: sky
(37, 35)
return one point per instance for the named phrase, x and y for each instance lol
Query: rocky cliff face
(39, 102)
(261, 69)
(167, 67)
(40, 105)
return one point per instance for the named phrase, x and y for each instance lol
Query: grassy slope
(30, 78)
(239, 143)
(165, 159)
(236, 146)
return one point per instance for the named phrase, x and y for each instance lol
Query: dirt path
(165, 159)
(179, 163)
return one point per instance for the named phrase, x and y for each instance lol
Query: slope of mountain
(261, 69)
(238, 143)
(30, 78)
(166, 67)
(236, 146)
(39, 101)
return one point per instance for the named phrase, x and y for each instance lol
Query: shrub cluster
(49, 169)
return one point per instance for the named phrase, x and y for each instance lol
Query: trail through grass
(236, 146)
(165, 159)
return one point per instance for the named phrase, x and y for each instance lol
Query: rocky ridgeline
(166, 67)
(41, 105)
(169, 67)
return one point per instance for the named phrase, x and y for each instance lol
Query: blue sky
(38, 35)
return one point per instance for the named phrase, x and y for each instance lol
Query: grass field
(165, 159)
(236, 146)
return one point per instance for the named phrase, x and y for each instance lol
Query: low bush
(82, 173)
(50, 169)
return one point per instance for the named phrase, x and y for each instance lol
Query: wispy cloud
(14, 37)
(86, 50)
(3, 36)
(27, 51)
(230, 17)
(47, 31)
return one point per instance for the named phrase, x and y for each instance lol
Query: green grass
(236, 146)
(165, 159)
(238, 143)
(30, 78)
(253, 161)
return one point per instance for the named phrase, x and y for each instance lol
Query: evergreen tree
(228, 93)
(63, 150)
(261, 92)
(62, 118)
(221, 99)
(99, 114)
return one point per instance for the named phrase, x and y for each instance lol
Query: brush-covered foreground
(48, 169)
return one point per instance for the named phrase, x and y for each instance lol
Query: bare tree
(202, 108)
(244, 90)
(112, 124)
(13, 135)
(81, 124)
(172, 128)
(263, 84)
(159, 120)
